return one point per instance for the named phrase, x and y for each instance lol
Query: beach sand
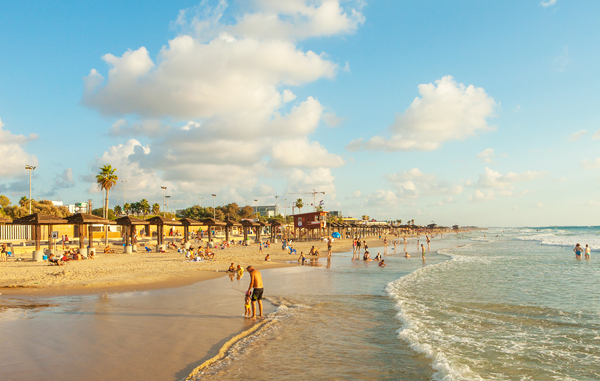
(141, 270)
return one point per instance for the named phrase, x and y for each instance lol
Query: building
(79, 207)
(336, 213)
(311, 224)
(266, 210)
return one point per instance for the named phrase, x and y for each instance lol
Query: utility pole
(167, 197)
(214, 211)
(31, 169)
(164, 189)
(124, 192)
(201, 198)
(276, 206)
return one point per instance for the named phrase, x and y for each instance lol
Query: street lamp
(164, 189)
(201, 198)
(214, 211)
(124, 191)
(256, 208)
(30, 168)
(167, 197)
(276, 214)
(284, 210)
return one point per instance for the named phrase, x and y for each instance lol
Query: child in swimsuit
(247, 311)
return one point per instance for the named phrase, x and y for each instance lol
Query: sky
(466, 112)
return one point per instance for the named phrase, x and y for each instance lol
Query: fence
(15, 232)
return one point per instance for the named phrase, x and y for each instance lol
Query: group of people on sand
(70, 255)
(579, 250)
(198, 254)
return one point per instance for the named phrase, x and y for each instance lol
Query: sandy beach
(141, 270)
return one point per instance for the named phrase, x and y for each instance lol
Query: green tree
(106, 180)
(247, 211)
(319, 208)
(365, 218)
(144, 207)
(118, 210)
(127, 208)
(156, 208)
(299, 204)
(100, 213)
(24, 201)
(4, 201)
(136, 208)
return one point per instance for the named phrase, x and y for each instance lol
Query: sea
(494, 304)
(497, 304)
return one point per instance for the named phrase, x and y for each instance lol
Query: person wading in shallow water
(256, 283)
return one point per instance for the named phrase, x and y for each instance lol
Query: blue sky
(466, 112)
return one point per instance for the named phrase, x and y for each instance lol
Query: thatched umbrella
(130, 222)
(230, 223)
(187, 222)
(36, 220)
(160, 223)
(274, 226)
(81, 220)
(211, 222)
(248, 224)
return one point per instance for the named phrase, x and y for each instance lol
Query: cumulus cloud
(487, 155)
(14, 157)
(414, 183)
(591, 164)
(577, 135)
(596, 135)
(231, 84)
(493, 179)
(446, 111)
(381, 199)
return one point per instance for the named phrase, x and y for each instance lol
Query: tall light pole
(214, 211)
(124, 191)
(164, 189)
(201, 198)
(256, 208)
(167, 197)
(284, 210)
(30, 168)
(276, 208)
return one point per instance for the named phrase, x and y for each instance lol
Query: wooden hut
(36, 220)
(212, 223)
(187, 222)
(160, 223)
(247, 224)
(230, 224)
(129, 223)
(83, 220)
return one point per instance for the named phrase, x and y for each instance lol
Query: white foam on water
(415, 330)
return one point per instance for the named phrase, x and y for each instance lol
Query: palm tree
(299, 204)
(145, 207)
(106, 180)
(126, 208)
(156, 209)
(118, 210)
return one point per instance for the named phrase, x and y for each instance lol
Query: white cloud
(414, 183)
(303, 153)
(577, 135)
(446, 111)
(231, 83)
(540, 205)
(382, 199)
(596, 135)
(588, 164)
(593, 203)
(14, 157)
(486, 155)
(357, 193)
(493, 179)
(479, 196)
(547, 3)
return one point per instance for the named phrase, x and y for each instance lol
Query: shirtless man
(256, 283)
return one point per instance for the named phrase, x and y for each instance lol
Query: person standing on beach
(423, 251)
(260, 250)
(428, 242)
(358, 247)
(256, 286)
(329, 244)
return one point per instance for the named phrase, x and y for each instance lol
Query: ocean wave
(414, 330)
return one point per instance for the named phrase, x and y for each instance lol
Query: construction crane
(314, 193)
